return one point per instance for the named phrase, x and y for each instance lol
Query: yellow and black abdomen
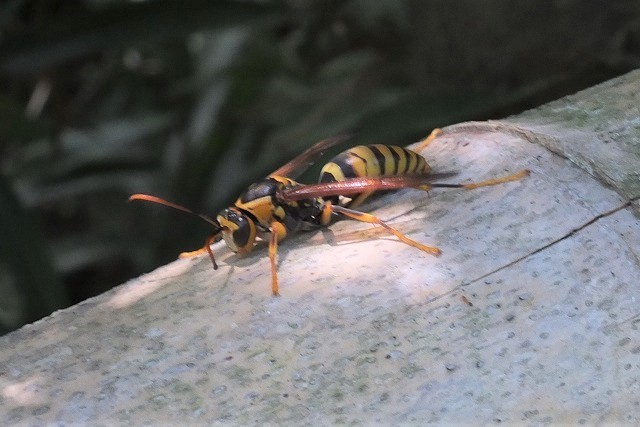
(373, 161)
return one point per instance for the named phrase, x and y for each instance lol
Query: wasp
(277, 206)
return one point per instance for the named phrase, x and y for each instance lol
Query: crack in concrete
(556, 241)
(631, 248)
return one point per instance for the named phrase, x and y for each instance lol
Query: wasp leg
(205, 249)
(428, 140)
(495, 181)
(207, 246)
(277, 232)
(191, 254)
(365, 217)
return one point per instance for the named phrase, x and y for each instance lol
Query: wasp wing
(299, 164)
(363, 184)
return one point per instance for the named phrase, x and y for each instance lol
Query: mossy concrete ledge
(531, 315)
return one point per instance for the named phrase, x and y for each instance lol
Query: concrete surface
(531, 315)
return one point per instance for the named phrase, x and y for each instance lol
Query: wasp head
(238, 230)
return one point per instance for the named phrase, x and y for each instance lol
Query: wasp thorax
(238, 230)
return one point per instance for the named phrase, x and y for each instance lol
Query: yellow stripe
(283, 180)
(413, 162)
(260, 208)
(389, 164)
(424, 166)
(368, 167)
(334, 170)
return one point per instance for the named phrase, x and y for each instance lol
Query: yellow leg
(365, 217)
(190, 254)
(205, 249)
(433, 135)
(278, 232)
(495, 181)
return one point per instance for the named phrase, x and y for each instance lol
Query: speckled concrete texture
(531, 315)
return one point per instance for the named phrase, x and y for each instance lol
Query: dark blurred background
(192, 100)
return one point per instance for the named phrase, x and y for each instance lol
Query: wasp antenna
(160, 201)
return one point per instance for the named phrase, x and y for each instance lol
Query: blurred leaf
(15, 125)
(27, 258)
(111, 139)
(347, 65)
(84, 32)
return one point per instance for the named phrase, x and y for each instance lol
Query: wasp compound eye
(238, 230)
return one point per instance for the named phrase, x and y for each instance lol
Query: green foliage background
(192, 100)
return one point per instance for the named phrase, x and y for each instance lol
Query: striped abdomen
(373, 161)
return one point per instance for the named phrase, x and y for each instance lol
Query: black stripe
(396, 160)
(379, 155)
(409, 156)
(344, 163)
(354, 172)
(422, 164)
(327, 177)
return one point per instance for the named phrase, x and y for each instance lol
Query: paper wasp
(276, 206)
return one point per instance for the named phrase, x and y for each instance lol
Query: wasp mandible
(276, 206)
